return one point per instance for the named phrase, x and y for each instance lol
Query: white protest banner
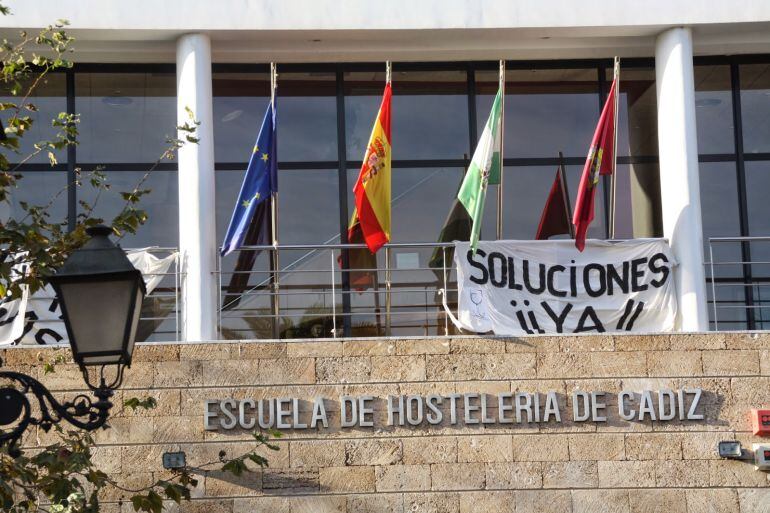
(36, 319)
(527, 287)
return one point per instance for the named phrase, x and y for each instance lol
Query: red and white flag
(600, 161)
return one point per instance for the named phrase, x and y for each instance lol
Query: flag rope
(614, 180)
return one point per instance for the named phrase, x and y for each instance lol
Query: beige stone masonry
(572, 467)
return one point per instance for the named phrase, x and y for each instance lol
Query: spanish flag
(372, 189)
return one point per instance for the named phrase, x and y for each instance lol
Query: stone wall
(615, 466)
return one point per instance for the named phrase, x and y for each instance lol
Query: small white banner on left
(529, 287)
(36, 319)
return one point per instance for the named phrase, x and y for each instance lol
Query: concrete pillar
(679, 184)
(197, 229)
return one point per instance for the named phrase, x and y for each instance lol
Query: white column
(679, 183)
(197, 230)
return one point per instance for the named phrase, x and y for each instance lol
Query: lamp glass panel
(98, 312)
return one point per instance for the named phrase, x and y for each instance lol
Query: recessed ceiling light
(117, 101)
(231, 116)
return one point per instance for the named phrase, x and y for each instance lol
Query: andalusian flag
(372, 189)
(484, 169)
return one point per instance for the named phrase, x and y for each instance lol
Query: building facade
(443, 422)
(691, 162)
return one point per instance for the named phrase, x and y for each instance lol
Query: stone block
(674, 363)
(563, 365)
(745, 340)
(735, 473)
(653, 446)
(539, 501)
(422, 346)
(682, 473)
(332, 504)
(703, 445)
(167, 403)
(154, 352)
(123, 430)
(604, 501)
(497, 502)
(432, 502)
(657, 501)
(457, 476)
(570, 474)
(368, 347)
(402, 478)
(764, 363)
(626, 474)
(373, 452)
(484, 448)
(225, 484)
(398, 368)
(509, 366)
(697, 341)
(420, 450)
(313, 349)
(369, 503)
(714, 501)
(177, 429)
(514, 476)
(206, 352)
(540, 447)
(254, 350)
(317, 453)
(585, 343)
(622, 364)
(476, 345)
(229, 372)
(642, 342)
(754, 501)
(301, 480)
(343, 370)
(453, 367)
(538, 344)
(346, 479)
(596, 447)
(288, 371)
(261, 505)
(108, 459)
(178, 374)
(731, 363)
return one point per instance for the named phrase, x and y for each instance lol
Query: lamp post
(100, 294)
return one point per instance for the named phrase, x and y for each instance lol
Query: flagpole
(388, 76)
(565, 195)
(613, 180)
(274, 261)
(502, 153)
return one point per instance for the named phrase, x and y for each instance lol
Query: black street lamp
(100, 294)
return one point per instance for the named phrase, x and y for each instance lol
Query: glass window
(546, 111)
(124, 117)
(637, 113)
(50, 98)
(714, 109)
(307, 115)
(720, 214)
(429, 113)
(755, 107)
(420, 201)
(38, 188)
(161, 205)
(526, 191)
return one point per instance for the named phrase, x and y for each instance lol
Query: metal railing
(738, 280)
(299, 291)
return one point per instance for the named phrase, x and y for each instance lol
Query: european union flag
(260, 182)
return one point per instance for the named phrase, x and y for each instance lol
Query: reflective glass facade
(325, 116)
